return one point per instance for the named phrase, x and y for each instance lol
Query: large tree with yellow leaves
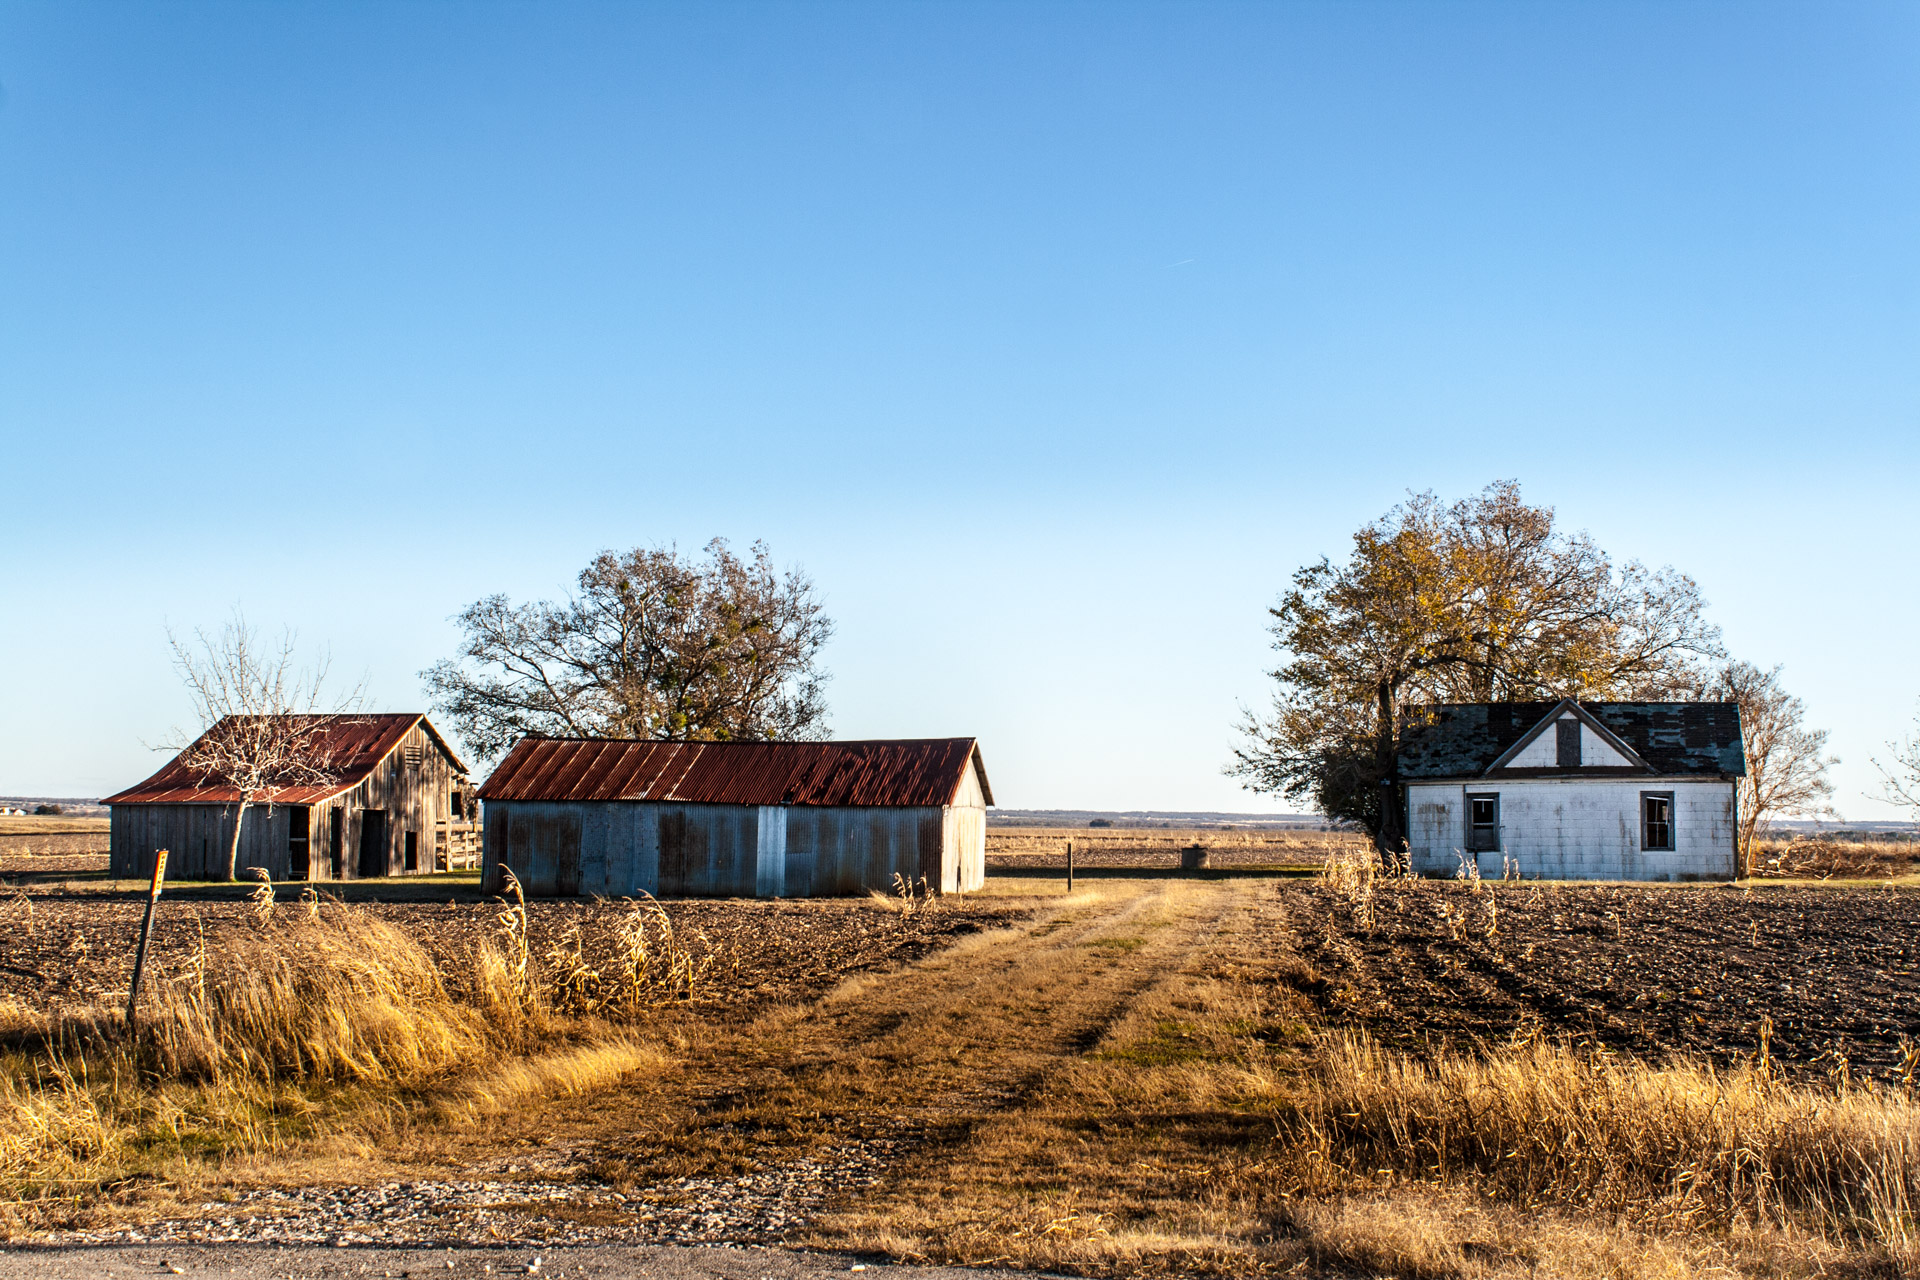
(1483, 600)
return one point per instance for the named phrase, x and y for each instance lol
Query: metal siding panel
(561, 836)
(733, 847)
(952, 871)
(974, 846)
(682, 847)
(596, 830)
(646, 851)
(523, 858)
(770, 852)
(929, 837)
(493, 845)
(802, 840)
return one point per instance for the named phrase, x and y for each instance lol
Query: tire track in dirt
(918, 1055)
(758, 1130)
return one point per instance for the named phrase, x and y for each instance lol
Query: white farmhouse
(1574, 790)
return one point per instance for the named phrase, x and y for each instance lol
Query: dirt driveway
(764, 1128)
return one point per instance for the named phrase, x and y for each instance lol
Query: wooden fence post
(1069, 866)
(146, 935)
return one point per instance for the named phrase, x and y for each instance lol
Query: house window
(1656, 819)
(1483, 824)
(1568, 743)
(413, 851)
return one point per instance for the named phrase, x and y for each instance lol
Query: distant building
(737, 819)
(1576, 791)
(398, 803)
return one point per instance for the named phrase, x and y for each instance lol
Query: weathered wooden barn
(1575, 790)
(737, 819)
(398, 802)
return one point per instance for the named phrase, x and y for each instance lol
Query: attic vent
(414, 755)
(1567, 743)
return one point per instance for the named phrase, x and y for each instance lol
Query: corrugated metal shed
(1463, 740)
(901, 773)
(355, 744)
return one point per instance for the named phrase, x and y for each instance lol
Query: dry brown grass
(1215, 1128)
(271, 1036)
(1825, 858)
(48, 824)
(1680, 1144)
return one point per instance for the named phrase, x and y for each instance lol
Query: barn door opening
(373, 843)
(298, 820)
(336, 840)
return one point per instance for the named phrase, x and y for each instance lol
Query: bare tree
(1481, 601)
(651, 645)
(1786, 770)
(264, 724)
(1900, 781)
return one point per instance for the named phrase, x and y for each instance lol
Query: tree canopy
(650, 645)
(1483, 600)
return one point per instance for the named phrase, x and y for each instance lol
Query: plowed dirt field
(1693, 970)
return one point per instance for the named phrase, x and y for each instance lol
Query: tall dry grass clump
(270, 1027)
(226, 1053)
(339, 997)
(1683, 1143)
(1350, 874)
(642, 962)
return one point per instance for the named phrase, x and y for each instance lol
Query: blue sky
(1050, 339)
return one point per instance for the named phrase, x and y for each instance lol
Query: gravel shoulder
(265, 1262)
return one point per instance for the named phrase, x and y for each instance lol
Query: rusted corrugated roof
(909, 773)
(353, 745)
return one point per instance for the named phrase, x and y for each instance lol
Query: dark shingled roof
(910, 773)
(1463, 739)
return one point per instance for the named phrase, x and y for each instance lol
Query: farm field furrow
(1833, 972)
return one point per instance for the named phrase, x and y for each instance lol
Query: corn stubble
(316, 1021)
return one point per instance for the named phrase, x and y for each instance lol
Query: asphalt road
(265, 1262)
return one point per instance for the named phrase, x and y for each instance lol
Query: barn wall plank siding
(395, 779)
(798, 819)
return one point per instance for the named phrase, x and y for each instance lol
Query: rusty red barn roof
(909, 773)
(355, 743)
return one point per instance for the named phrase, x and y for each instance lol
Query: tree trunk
(233, 850)
(1386, 839)
(1747, 828)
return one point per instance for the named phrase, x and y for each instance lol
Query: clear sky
(1050, 339)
